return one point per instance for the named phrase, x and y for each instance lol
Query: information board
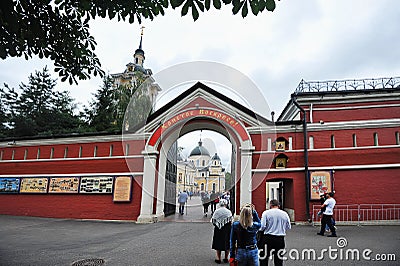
(9, 185)
(34, 185)
(320, 183)
(64, 185)
(122, 189)
(96, 184)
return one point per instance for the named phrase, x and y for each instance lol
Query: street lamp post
(184, 180)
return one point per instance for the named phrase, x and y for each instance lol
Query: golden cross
(142, 30)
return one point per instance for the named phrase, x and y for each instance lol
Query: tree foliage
(59, 30)
(101, 112)
(37, 109)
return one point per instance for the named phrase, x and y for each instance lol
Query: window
(202, 174)
(13, 154)
(333, 141)
(38, 154)
(311, 142)
(180, 178)
(66, 152)
(290, 143)
(95, 151)
(26, 154)
(126, 149)
(214, 187)
(1, 155)
(269, 144)
(80, 152)
(204, 163)
(376, 139)
(354, 140)
(51, 153)
(202, 186)
(397, 134)
(111, 150)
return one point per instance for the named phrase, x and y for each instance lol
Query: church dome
(199, 150)
(216, 157)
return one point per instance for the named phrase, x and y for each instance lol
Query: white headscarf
(222, 215)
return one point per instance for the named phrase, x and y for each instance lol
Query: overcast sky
(314, 40)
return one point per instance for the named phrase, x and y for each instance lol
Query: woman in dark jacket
(243, 243)
(222, 219)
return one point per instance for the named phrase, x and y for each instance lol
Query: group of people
(213, 199)
(251, 240)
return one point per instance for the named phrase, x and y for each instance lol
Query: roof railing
(348, 85)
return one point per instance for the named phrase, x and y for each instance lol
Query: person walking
(182, 199)
(221, 219)
(274, 223)
(213, 201)
(329, 205)
(243, 242)
(205, 200)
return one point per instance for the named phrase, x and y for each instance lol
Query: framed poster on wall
(122, 189)
(96, 184)
(320, 182)
(9, 185)
(34, 185)
(64, 185)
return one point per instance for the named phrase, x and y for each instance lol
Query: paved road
(43, 241)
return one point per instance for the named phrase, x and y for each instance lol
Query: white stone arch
(154, 180)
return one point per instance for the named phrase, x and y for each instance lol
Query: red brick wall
(75, 206)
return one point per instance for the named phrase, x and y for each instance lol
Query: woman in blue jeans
(243, 243)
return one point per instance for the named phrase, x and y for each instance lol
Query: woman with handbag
(243, 243)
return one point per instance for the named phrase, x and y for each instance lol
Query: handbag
(233, 262)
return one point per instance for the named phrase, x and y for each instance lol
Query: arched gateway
(198, 108)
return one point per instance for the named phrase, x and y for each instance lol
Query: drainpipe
(306, 176)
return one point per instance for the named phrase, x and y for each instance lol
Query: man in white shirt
(274, 223)
(329, 204)
(182, 199)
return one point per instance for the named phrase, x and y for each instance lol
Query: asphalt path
(184, 241)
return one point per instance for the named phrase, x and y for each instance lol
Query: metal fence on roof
(348, 85)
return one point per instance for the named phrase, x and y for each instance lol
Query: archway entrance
(203, 161)
(157, 167)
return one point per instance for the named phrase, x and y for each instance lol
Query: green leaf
(185, 8)
(237, 5)
(261, 5)
(270, 5)
(195, 13)
(245, 10)
(176, 3)
(207, 4)
(217, 4)
(254, 6)
(200, 5)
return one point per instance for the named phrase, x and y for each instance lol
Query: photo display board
(34, 185)
(64, 185)
(9, 185)
(96, 184)
(122, 189)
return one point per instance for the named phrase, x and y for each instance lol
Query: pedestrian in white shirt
(329, 205)
(274, 223)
